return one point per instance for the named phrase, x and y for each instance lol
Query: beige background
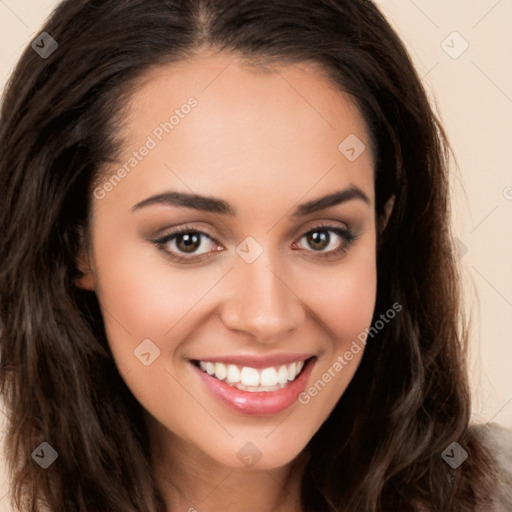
(473, 94)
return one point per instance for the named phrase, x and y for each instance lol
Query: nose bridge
(261, 302)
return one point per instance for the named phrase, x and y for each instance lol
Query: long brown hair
(380, 449)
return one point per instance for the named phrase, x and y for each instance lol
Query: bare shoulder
(498, 440)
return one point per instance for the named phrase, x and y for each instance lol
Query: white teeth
(259, 389)
(220, 371)
(268, 377)
(249, 376)
(209, 368)
(282, 375)
(233, 374)
(291, 371)
(251, 379)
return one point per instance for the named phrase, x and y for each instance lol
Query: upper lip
(254, 361)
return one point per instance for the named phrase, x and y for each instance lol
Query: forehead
(266, 129)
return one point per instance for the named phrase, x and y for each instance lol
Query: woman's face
(256, 282)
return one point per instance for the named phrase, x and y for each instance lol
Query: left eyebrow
(214, 205)
(322, 203)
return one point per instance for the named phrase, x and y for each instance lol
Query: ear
(86, 280)
(388, 208)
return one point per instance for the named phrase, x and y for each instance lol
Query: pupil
(189, 241)
(319, 238)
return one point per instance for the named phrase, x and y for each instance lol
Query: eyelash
(346, 234)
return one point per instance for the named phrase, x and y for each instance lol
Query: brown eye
(189, 242)
(328, 241)
(186, 241)
(318, 239)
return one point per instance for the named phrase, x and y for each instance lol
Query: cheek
(343, 299)
(348, 303)
(344, 310)
(141, 292)
(143, 299)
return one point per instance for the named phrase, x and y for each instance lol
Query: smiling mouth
(251, 379)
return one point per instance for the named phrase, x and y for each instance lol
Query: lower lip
(260, 403)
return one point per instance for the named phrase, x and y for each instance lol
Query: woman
(227, 279)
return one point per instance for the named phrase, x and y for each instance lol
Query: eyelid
(185, 229)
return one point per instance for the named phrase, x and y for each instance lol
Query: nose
(261, 302)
